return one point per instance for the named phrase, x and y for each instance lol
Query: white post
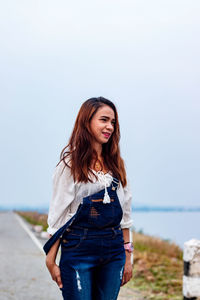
(191, 277)
(131, 240)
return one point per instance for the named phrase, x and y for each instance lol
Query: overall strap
(59, 233)
(115, 182)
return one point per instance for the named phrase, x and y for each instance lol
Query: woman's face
(102, 124)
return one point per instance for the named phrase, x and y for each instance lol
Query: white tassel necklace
(98, 167)
(102, 178)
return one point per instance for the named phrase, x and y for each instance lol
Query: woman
(90, 211)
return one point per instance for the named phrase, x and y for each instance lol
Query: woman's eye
(113, 122)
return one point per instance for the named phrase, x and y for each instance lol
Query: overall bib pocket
(101, 216)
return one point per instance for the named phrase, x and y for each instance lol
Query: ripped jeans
(92, 263)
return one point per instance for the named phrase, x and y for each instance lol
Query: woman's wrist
(128, 246)
(128, 256)
(50, 261)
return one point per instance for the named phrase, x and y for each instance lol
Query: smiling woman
(90, 212)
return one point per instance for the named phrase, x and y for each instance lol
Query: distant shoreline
(134, 209)
(165, 209)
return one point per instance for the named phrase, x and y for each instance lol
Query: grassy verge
(158, 264)
(34, 218)
(158, 268)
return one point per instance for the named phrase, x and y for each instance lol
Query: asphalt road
(24, 275)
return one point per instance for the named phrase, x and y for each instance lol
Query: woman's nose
(110, 127)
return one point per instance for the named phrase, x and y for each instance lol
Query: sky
(142, 55)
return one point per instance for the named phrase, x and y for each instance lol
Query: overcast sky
(142, 55)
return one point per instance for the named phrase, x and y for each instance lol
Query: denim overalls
(92, 249)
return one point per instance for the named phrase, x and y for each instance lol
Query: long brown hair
(79, 151)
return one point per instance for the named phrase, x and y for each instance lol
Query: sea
(175, 226)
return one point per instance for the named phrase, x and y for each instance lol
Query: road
(24, 275)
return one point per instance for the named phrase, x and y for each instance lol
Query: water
(178, 227)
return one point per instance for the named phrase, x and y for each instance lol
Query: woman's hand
(54, 270)
(128, 269)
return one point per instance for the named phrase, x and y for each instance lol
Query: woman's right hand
(52, 266)
(55, 272)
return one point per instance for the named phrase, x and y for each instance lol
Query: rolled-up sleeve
(62, 195)
(127, 220)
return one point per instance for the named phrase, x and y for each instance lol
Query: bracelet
(126, 242)
(129, 247)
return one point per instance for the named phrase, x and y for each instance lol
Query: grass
(35, 218)
(158, 268)
(158, 264)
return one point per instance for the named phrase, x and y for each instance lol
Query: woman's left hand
(128, 270)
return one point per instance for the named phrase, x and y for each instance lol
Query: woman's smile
(106, 134)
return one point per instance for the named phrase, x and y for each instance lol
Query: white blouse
(67, 195)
